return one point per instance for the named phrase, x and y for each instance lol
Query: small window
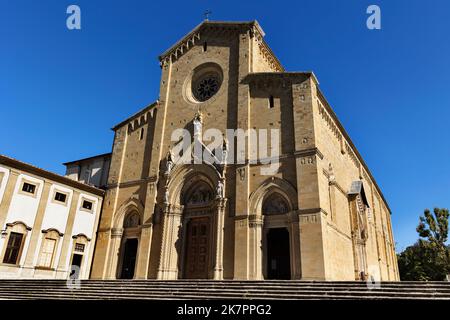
(205, 46)
(271, 102)
(28, 187)
(79, 247)
(141, 136)
(13, 248)
(87, 205)
(60, 197)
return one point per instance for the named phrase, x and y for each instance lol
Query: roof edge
(88, 158)
(352, 145)
(150, 106)
(17, 164)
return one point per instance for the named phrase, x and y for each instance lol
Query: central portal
(197, 248)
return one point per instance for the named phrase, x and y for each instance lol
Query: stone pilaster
(256, 250)
(312, 246)
(36, 233)
(296, 261)
(114, 251)
(168, 263)
(145, 242)
(7, 196)
(218, 259)
(65, 249)
(241, 241)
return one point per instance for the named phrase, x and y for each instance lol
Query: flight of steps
(208, 289)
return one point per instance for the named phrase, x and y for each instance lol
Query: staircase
(227, 289)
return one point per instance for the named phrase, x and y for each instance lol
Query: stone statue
(169, 162)
(219, 190)
(166, 196)
(224, 150)
(331, 176)
(198, 121)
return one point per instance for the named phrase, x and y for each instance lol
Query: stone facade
(321, 216)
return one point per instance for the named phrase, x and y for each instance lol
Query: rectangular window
(271, 102)
(87, 205)
(79, 247)
(28, 187)
(13, 248)
(48, 249)
(61, 197)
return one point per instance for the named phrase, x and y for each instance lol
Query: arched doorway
(198, 238)
(129, 246)
(277, 249)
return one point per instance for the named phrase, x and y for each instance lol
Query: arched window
(131, 220)
(275, 203)
(50, 240)
(16, 234)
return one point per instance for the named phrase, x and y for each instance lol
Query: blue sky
(61, 91)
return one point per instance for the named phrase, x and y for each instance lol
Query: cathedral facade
(319, 216)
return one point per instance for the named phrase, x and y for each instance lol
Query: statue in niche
(166, 195)
(224, 150)
(331, 176)
(198, 121)
(219, 190)
(169, 162)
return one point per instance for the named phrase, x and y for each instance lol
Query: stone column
(255, 252)
(168, 262)
(7, 196)
(114, 251)
(62, 266)
(218, 259)
(36, 231)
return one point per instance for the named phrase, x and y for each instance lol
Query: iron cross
(207, 13)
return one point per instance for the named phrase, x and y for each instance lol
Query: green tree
(434, 227)
(429, 258)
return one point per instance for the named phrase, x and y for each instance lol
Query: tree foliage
(429, 258)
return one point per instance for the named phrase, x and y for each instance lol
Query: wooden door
(197, 248)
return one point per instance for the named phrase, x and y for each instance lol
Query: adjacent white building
(48, 223)
(92, 171)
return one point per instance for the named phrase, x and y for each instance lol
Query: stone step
(44, 293)
(224, 287)
(158, 296)
(208, 289)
